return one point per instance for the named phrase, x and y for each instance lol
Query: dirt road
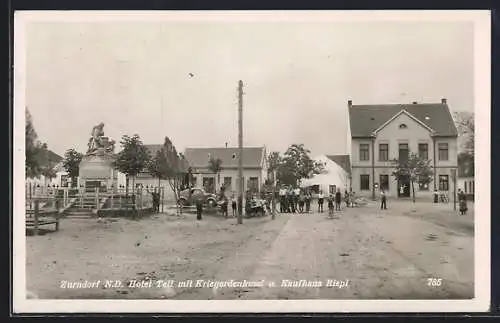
(405, 252)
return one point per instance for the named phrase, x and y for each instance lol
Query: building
(336, 175)
(254, 168)
(378, 134)
(50, 161)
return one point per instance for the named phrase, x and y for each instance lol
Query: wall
(233, 173)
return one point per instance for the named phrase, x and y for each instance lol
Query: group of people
(462, 202)
(293, 200)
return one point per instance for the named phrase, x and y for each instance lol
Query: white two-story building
(381, 133)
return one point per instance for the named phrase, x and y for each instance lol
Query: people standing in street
(352, 198)
(308, 198)
(225, 206)
(320, 201)
(301, 202)
(462, 202)
(282, 196)
(338, 200)
(291, 200)
(330, 205)
(233, 205)
(346, 198)
(436, 196)
(383, 200)
(199, 208)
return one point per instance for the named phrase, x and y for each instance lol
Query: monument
(96, 169)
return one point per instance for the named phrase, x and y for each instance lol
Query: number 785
(434, 282)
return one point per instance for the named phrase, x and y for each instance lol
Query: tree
(158, 165)
(297, 165)
(274, 160)
(415, 169)
(71, 164)
(36, 152)
(465, 127)
(176, 168)
(215, 166)
(133, 158)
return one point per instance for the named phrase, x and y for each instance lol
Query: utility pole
(240, 157)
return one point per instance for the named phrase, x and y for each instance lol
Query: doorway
(404, 187)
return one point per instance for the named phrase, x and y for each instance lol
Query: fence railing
(92, 198)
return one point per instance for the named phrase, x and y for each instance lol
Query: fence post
(57, 213)
(36, 216)
(65, 197)
(80, 196)
(162, 198)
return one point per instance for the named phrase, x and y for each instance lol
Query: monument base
(97, 171)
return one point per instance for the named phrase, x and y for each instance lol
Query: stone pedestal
(97, 170)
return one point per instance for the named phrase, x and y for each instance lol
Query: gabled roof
(343, 161)
(199, 157)
(365, 119)
(153, 149)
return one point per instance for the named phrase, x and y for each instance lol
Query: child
(308, 202)
(301, 203)
(330, 205)
(233, 205)
(199, 208)
(320, 202)
(338, 200)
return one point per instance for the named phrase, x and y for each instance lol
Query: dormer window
(403, 126)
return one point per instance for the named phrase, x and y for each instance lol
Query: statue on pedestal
(98, 144)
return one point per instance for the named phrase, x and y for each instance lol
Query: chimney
(443, 101)
(349, 103)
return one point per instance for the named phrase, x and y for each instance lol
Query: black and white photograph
(251, 161)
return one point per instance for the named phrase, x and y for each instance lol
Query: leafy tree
(71, 164)
(176, 168)
(465, 126)
(215, 165)
(36, 152)
(297, 165)
(415, 169)
(158, 165)
(133, 158)
(274, 160)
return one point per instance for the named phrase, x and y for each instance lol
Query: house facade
(382, 133)
(254, 168)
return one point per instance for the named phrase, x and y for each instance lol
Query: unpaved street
(376, 254)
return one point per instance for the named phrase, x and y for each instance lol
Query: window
(209, 184)
(443, 151)
(253, 184)
(403, 151)
(365, 182)
(443, 183)
(423, 185)
(465, 187)
(423, 151)
(383, 152)
(384, 182)
(364, 152)
(227, 182)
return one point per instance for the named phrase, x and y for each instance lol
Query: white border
(482, 57)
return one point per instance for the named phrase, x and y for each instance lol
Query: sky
(298, 76)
